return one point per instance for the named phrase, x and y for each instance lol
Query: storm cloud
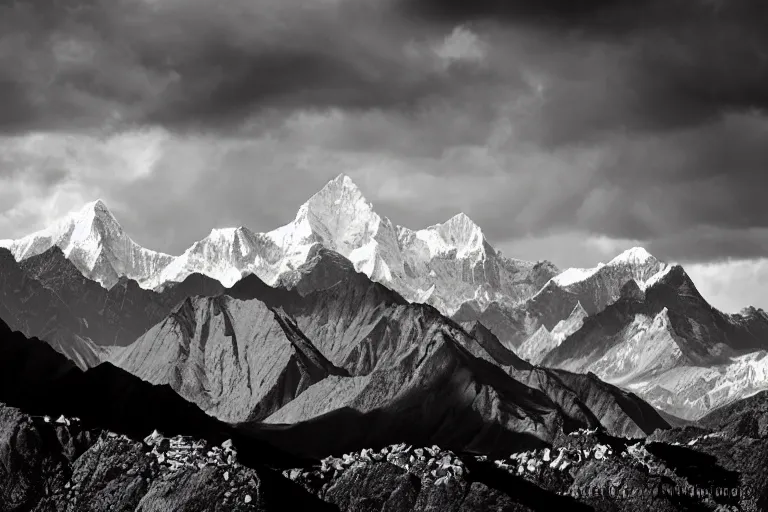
(567, 130)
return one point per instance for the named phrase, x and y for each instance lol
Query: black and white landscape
(383, 255)
(359, 365)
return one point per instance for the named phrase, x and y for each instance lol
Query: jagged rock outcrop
(66, 468)
(48, 466)
(584, 471)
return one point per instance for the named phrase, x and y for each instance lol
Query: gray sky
(567, 130)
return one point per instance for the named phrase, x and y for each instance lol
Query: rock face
(746, 417)
(536, 347)
(583, 471)
(238, 360)
(671, 347)
(38, 311)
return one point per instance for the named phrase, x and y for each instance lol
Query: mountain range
(343, 332)
(444, 265)
(635, 321)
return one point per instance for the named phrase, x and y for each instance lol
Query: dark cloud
(628, 119)
(552, 13)
(205, 65)
(708, 244)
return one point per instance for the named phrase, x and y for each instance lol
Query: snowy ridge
(94, 241)
(639, 260)
(575, 275)
(445, 264)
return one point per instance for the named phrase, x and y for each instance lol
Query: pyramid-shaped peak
(95, 211)
(339, 195)
(461, 219)
(97, 207)
(341, 184)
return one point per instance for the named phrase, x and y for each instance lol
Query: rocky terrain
(67, 466)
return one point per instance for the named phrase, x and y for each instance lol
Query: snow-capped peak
(459, 235)
(338, 191)
(575, 275)
(642, 264)
(97, 245)
(339, 216)
(446, 264)
(633, 256)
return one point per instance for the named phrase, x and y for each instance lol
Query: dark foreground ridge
(62, 465)
(40, 381)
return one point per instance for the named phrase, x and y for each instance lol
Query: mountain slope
(594, 289)
(381, 367)
(671, 347)
(40, 381)
(541, 342)
(38, 311)
(114, 316)
(238, 360)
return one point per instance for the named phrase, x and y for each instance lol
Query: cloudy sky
(568, 130)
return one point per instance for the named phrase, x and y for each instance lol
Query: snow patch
(575, 275)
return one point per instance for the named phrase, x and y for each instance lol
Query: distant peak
(633, 255)
(462, 219)
(339, 194)
(97, 206)
(229, 232)
(342, 182)
(96, 210)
